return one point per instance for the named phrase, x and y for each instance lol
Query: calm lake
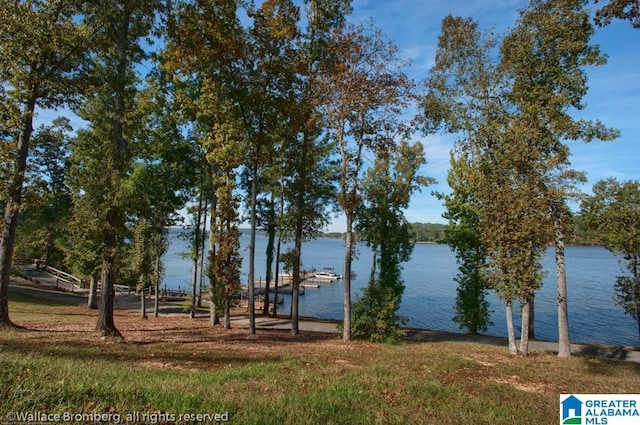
(430, 289)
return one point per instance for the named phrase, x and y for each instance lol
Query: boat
(326, 275)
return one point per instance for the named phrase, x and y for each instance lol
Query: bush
(375, 318)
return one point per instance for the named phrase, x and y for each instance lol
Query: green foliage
(375, 316)
(612, 213)
(628, 295)
(428, 232)
(386, 189)
(462, 235)
(47, 203)
(621, 9)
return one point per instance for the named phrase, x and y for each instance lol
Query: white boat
(327, 275)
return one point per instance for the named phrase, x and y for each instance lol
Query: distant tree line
(579, 233)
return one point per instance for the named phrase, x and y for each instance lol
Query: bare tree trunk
(295, 293)
(346, 331)
(524, 333)
(271, 234)
(92, 299)
(564, 343)
(156, 302)
(143, 303)
(532, 313)
(252, 249)
(227, 313)
(511, 329)
(196, 255)
(202, 246)
(105, 324)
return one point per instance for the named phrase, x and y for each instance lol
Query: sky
(613, 97)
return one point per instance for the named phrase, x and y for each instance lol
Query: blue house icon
(571, 408)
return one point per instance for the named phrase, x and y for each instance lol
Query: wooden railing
(74, 282)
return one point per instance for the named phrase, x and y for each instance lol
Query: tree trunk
(143, 303)
(156, 302)
(532, 311)
(227, 313)
(105, 324)
(92, 299)
(196, 254)
(295, 293)
(12, 208)
(271, 233)
(213, 318)
(524, 333)
(295, 328)
(202, 246)
(115, 220)
(277, 278)
(252, 248)
(564, 343)
(346, 330)
(279, 245)
(213, 228)
(513, 350)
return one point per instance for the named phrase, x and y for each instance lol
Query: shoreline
(131, 302)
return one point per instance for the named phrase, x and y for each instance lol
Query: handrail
(60, 275)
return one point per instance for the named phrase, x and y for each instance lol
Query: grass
(174, 365)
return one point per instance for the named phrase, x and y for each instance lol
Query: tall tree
(41, 47)
(363, 88)
(612, 213)
(122, 26)
(545, 56)
(387, 189)
(270, 76)
(206, 53)
(308, 173)
(468, 95)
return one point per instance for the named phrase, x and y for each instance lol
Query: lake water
(430, 289)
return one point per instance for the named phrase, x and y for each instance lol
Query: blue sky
(613, 97)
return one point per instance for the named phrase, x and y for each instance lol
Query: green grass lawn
(172, 366)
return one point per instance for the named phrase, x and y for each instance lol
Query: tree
(41, 47)
(612, 213)
(308, 174)
(387, 189)
(270, 77)
(468, 95)
(121, 27)
(545, 56)
(206, 54)
(363, 91)
(225, 284)
(621, 9)
(462, 235)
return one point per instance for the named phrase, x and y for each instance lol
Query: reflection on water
(430, 289)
